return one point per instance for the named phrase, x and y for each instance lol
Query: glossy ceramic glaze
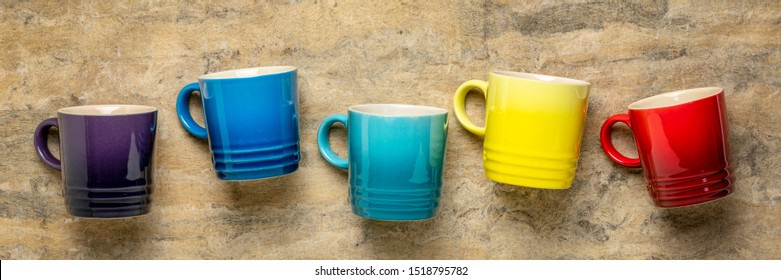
(106, 158)
(396, 159)
(682, 139)
(534, 124)
(251, 120)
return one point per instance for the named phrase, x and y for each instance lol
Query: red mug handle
(607, 143)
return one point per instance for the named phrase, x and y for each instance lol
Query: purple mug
(105, 158)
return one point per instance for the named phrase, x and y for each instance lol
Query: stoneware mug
(251, 118)
(395, 159)
(682, 140)
(533, 127)
(105, 158)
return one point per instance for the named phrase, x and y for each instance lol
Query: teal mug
(395, 159)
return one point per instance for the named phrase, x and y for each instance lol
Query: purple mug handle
(41, 143)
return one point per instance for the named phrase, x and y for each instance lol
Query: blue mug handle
(183, 110)
(322, 140)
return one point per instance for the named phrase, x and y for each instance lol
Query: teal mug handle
(322, 140)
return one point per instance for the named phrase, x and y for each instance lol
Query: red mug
(682, 139)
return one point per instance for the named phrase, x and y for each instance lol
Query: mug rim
(542, 78)
(404, 110)
(108, 110)
(248, 72)
(675, 98)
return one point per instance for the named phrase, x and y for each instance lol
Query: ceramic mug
(251, 118)
(395, 159)
(533, 127)
(682, 140)
(105, 158)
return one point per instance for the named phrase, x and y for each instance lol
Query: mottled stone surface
(55, 54)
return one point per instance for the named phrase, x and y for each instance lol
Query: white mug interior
(675, 98)
(107, 110)
(397, 110)
(248, 72)
(542, 78)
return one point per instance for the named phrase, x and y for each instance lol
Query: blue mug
(251, 118)
(395, 159)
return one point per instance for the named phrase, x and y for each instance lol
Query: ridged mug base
(692, 191)
(395, 203)
(264, 173)
(109, 213)
(395, 215)
(528, 182)
(256, 163)
(108, 202)
(529, 171)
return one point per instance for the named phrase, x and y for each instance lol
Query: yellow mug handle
(459, 104)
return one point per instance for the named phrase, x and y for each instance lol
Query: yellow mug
(533, 127)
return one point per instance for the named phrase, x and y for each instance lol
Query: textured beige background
(62, 53)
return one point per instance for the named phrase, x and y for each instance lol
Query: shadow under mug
(251, 118)
(682, 140)
(533, 127)
(106, 158)
(395, 159)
